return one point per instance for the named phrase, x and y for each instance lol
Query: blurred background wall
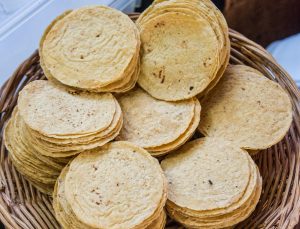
(264, 21)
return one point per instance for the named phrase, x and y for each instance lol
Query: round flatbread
(182, 72)
(228, 221)
(206, 174)
(89, 48)
(74, 140)
(66, 216)
(197, 8)
(149, 122)
(133, 195)
(246, 108)
(53, 110)
(234, 210)
(163, 149)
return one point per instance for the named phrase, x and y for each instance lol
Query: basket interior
(22, 206)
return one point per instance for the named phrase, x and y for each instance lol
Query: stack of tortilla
(185, 48)
(157, 126)
(89, 195)
(212, 184)
(52, 124)
(246, 108)
(93, 49)
(90, 52)
(40, 170)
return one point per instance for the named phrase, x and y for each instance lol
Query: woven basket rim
(22, 206)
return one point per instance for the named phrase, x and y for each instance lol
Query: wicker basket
(22, 206)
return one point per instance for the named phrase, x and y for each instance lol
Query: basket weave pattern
(22, 206)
